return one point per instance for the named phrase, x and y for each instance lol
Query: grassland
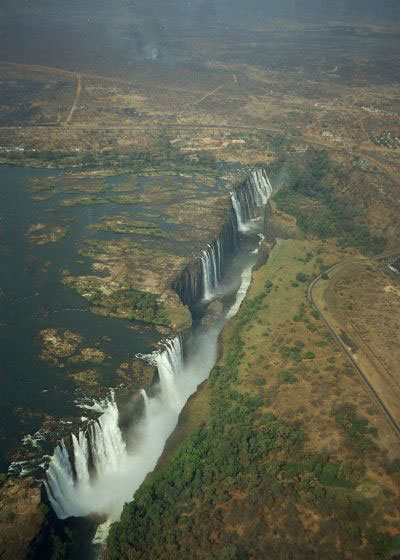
(282, 454)
(289, 456)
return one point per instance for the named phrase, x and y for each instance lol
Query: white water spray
(100, 472)
(211, 263)
(238, 211)
(169, 364)
(250, 197)
(101, 469)
(97, 452)
(247, 200)
(245, 280)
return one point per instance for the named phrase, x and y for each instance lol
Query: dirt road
(371, 372)
(77, 96)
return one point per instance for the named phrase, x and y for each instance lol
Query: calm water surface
(34, 298)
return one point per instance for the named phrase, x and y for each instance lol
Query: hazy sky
(113, 35)
(207, 10)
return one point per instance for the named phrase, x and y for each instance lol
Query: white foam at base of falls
(254, 194)
(108, 468)
(97, 453)
(245, 280)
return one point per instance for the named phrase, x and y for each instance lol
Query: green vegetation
(308, 195)
(301, 277)
(124, 199)
(59, 543)
(356, 430)
(287, 377)
(243, 450)
(140, 306)
(123, 225)
(86, 200)
(145, 307)
(60, 548)
(386, 139)
(93, 248)
(394, 467)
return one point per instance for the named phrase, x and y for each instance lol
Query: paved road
(364, 378)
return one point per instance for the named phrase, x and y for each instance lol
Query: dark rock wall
(189, 285)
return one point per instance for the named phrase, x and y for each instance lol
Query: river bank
(282, 436)
(94, 445)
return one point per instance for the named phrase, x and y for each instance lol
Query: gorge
(99, 469)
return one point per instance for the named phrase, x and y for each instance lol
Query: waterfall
(249, 197)
(245, 280)
(101, 468)
(238, 212)
(106, 442)
(169, 364)
(262, 188)
(211, 264)
(97, 451)
(145, 398)
(247, 200)
(77, 476)
(81, 455)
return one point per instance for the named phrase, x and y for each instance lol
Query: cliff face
(251, 448)
(190, 283)
(278, 225)
(396, 265)
(22, 517)
(179, 298)
(263, 253)
(200, 278)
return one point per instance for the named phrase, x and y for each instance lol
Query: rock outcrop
(278, 225)
(22, 517)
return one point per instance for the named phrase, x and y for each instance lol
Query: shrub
(393, 467)
(356, 430)
(318, 209)
(287, 377)
(301, 277)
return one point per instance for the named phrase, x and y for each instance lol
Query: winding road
(331, 273)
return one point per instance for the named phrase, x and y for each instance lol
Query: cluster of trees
(144, 307)
(319, 210)
(242, 450)
(141, 306)
(86, 158)
(356, 430)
